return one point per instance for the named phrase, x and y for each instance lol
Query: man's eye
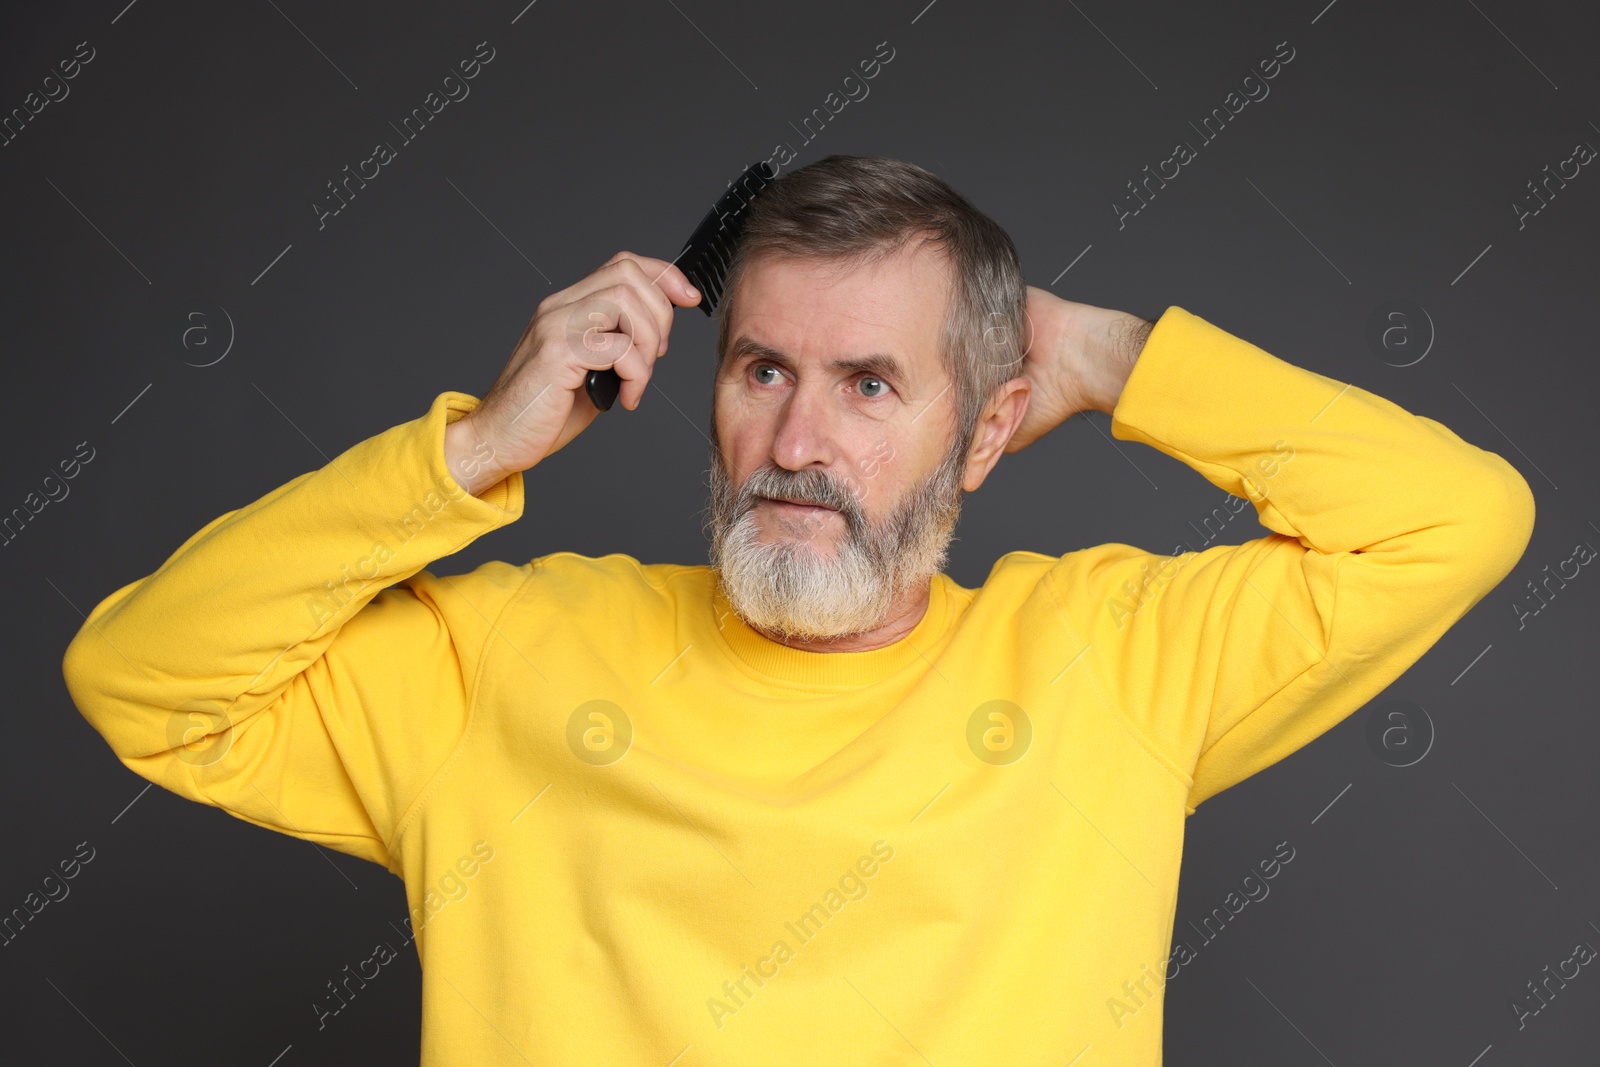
(873, 387)
(761, 370)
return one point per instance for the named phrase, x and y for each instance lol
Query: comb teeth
(709, 253)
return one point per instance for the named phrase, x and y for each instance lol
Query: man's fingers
(667, 276)
(598, 320)
(657, 283)
(651, 296)
(634, 369)
(622, 354)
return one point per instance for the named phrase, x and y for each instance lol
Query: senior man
(816, 802)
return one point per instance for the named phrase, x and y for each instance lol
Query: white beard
(794, 589)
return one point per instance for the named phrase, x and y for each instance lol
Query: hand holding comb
(704, 260)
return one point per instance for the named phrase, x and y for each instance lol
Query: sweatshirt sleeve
(1387, 529)
(292, 663)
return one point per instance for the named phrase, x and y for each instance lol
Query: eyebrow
(879, 363)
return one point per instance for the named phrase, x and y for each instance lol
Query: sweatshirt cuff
(505, 496)
(1176, 374)
(398, 490)
(1219, 403)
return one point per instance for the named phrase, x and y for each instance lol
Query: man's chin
(815, 529)
(798, 622)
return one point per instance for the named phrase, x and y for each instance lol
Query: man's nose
(805, 431)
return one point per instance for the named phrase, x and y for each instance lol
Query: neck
(902, 618)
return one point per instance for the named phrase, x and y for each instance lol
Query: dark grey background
(1382, 166)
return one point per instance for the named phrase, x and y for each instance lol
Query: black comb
(705, 261)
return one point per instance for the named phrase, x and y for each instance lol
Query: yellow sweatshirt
(634, 831)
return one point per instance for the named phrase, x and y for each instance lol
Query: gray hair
(861, 209)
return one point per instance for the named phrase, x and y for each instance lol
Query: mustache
(803, 486)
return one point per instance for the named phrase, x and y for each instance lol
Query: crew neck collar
(780, 662)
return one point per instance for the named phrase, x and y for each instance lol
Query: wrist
(471, 460)
(1110, 346)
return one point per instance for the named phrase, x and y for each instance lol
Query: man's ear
(1001, 416)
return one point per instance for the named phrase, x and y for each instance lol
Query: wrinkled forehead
(819, 310)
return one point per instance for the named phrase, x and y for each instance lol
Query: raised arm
(268, 667)
(1387, 528)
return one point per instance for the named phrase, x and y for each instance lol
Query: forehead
(824, 309)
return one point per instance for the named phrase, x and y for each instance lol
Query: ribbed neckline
(782, 663)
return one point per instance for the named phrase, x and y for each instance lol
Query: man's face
(837, 487)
